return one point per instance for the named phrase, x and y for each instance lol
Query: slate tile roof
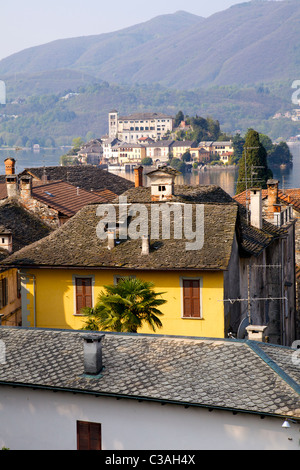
(79, 244)
(145, 116)
(234, 375)
(87, 177)
(24, 226)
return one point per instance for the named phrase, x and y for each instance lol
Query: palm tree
(125, 307)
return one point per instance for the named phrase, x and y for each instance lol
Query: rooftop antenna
(17, 149)
(246, 179)
(247, 320)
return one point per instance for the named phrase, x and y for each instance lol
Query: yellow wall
(55, 300)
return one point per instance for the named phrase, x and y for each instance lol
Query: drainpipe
(28, 275)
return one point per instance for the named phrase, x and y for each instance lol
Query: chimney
(92, 352)
(111, 239)
(138, 176)
(6, 240)
(272, 186)
(256, 333)
(25, 186)
(256, 207)
(162, 184)
(12, 185)
(145, 245)
(10, 166)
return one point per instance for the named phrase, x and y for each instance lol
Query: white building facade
(133, 127)
(132, 424)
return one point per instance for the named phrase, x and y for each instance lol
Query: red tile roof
(65, 197)
(288, 196)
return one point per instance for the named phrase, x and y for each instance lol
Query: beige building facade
(133, 127)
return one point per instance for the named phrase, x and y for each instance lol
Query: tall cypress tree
(253, 165)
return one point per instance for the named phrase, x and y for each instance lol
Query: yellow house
(131, 153)
(191, 242)
(180, 147)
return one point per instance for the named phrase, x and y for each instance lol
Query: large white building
(133, 127)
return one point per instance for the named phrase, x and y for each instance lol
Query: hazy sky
(27, 23)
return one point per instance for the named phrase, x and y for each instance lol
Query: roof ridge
(273, 365)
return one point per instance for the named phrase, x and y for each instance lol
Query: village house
(178, 147)
(199, 154)
(131, 153)
(160, 151)
(30, 211)
(275, 203)
(53, 202)
(88, 177)
(119, 392)
(217, 147)
(138, 125)
(240, 272)
(110, 149)
(18, 228)
(91, 153)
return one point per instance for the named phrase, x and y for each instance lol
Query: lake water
(288, 178)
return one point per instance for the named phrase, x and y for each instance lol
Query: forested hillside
(252, 42)
(236, 66)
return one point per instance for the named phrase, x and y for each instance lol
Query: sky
(34, 22)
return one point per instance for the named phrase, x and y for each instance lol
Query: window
(161, 188)
(3, 292)
(83, 293)
(88, 436)
(191, 298)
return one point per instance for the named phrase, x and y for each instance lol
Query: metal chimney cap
(93, 337)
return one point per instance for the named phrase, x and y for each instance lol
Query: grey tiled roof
(236, 375)
(79, 244)
(24, 226)
(145, 116)
(88, 177)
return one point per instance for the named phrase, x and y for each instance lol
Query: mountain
(90, 53)
(252, 42)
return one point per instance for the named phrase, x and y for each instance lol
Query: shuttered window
(83, 286)
(88, 436)
(191, 298)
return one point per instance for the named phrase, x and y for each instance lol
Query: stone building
(239, 273)
(139, 125)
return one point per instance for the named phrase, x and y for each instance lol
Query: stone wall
(42, 211)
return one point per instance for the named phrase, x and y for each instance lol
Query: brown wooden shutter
(191, 298)
(83, 293)
(87, 292)
(88, 436)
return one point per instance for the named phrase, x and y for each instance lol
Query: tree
(266, 142)
(280, 154)
(178, 165)
(125, 307)
(253, 167)
(238, 143)
(178, 118)
(147, 161)
(186, 156)
(77, 142)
